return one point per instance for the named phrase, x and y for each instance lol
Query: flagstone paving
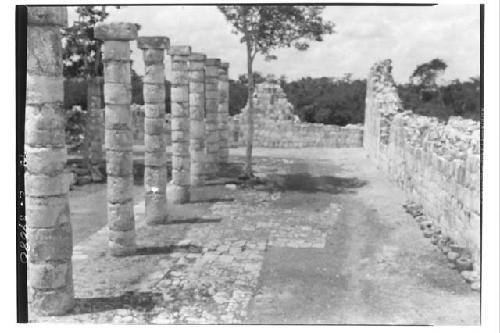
(323, 240)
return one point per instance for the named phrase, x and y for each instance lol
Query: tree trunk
(248, 166)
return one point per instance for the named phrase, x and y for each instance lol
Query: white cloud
(408, 35)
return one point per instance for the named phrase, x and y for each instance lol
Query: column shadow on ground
(211, 200)
(167, 249)
(307, 183)
(131, 300)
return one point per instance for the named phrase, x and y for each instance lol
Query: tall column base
(177, 194)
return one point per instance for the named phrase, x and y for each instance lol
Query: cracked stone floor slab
(322, 241)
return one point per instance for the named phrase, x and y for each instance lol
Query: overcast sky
(407, 35)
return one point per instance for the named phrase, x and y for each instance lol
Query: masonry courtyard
(322, 239)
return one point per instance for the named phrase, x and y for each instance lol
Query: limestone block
(119, 163)
(154, 74)
(118, 140)
(47, 212)
(115, 31)
(154, 142)
(50, 243)
(153, 42)
(152, 56)
(155, 179)
(121, 216)
(39, 185)
(179, 50)
(47, 16)
(51, 302)
(118, 117)
(156, 158)
(154, 93)
(43, 89)
(154, 126)
(120, 189)
(116, 71)
(117, 93)
(117, 51)
(49, 161)
(49, 275)
(40, 60)
(121, 242)
(155, 208)
(154, 110)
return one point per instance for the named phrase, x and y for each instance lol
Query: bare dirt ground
(324, 240)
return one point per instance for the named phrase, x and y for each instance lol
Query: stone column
(223, 113)
(48, 228)
(155, 173)
(95, 125)
(196, 117)
(179, 187)
(118, 134)
(211, 113)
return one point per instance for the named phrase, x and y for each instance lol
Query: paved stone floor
(324, 240)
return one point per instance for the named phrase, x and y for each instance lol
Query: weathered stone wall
(291, 134)
(436, 163)
(276, 126)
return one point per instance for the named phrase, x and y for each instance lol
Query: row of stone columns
(199, 110)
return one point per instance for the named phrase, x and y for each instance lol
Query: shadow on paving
(305, 182)
(167, 249)
(210, 200)
(132, 300)
(194, 221)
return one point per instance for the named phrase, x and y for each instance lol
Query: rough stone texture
(138, 122)
(196, 118)
(437, 164)
(179, 186)
(271, 133)
(95, 128)
(211, 115)
(269, 101)
(118, 133)
(329, 222)
(223, 113)
(116, 31)
(155, 176)
(275, 125)
(382, 103)
(48, 228)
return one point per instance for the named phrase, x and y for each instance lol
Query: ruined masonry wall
(291, 134)
(437, 164)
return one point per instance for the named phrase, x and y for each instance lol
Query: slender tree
(267, 28)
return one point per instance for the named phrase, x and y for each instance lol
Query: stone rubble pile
(459, 257)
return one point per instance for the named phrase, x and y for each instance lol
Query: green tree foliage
(267, 28)
(425, 96)
(238, 96)
(426, 74)
(81, 52)
(258, 77)
(454, 99)
(326, 100)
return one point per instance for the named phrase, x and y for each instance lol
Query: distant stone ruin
(275, 124)
(270, 101)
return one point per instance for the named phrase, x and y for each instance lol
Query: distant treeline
(327, 100)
